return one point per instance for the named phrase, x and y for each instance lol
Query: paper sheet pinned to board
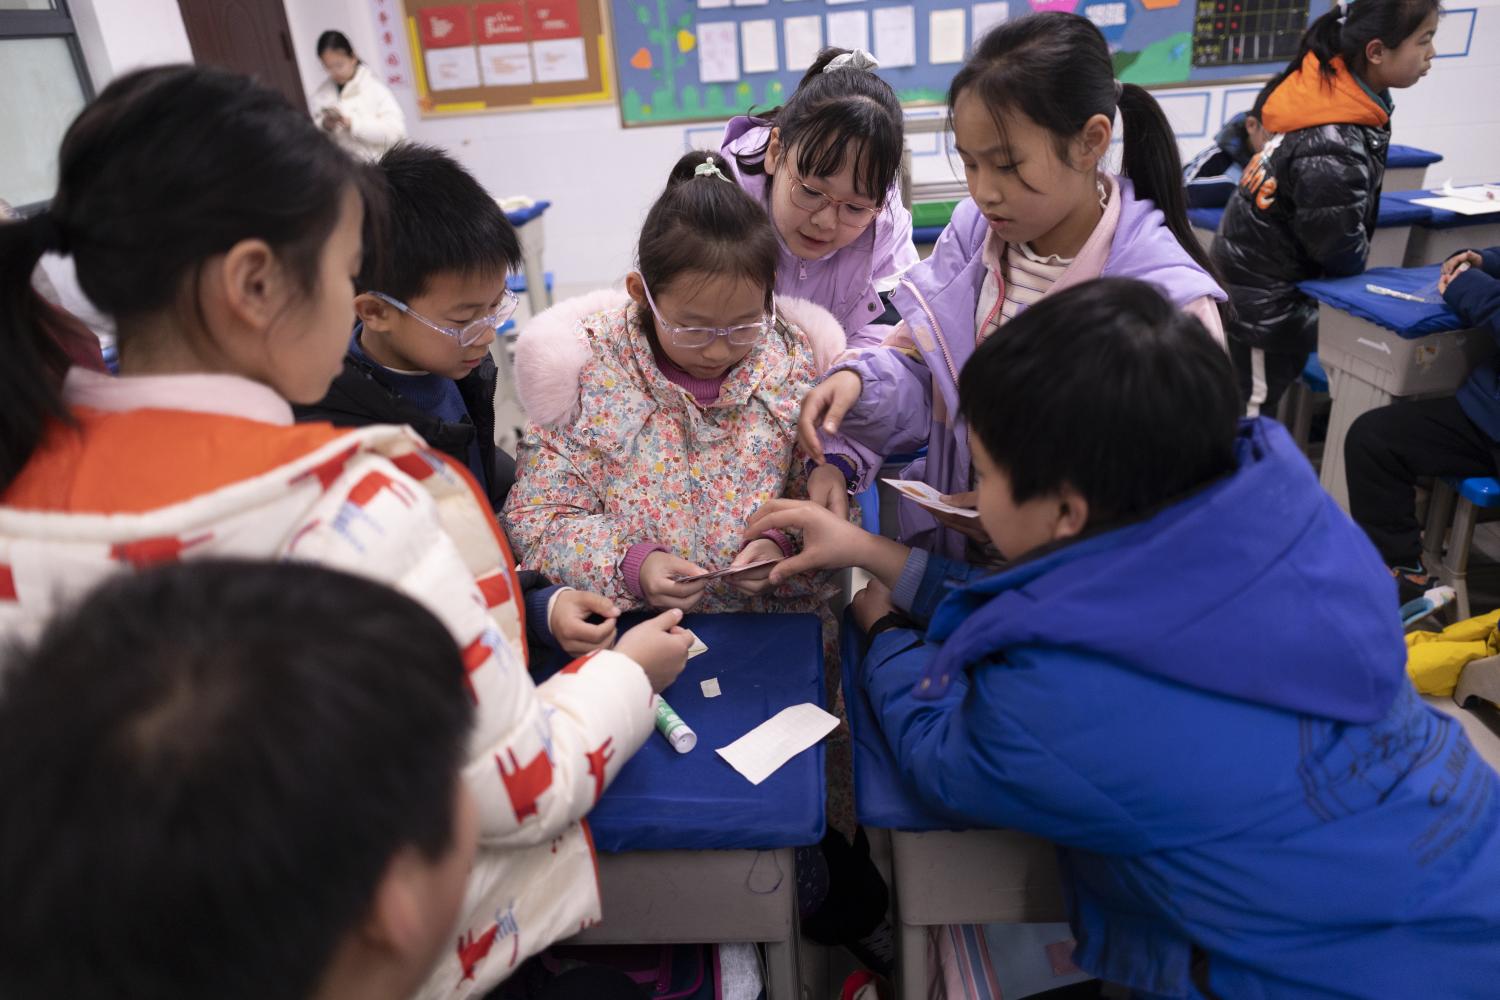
(762, 751)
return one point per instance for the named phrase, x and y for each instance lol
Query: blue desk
(943, 874)
(691, 851)
(1445, 233)
(1375, 348)
(1406, 166)
(1394, 222)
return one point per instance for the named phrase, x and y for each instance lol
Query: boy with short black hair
(1190, 677)
(233, 780)
(432, 295)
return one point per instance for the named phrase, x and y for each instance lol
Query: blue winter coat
(1208, 712)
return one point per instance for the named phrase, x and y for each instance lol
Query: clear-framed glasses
(810, 199)
(469, 333)
(701, 336)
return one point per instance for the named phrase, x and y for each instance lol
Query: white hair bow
(858, 59)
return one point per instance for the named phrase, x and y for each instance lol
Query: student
(235, 301)
(1033, 112)
(1388, 449)
(662, 415)
(353, 105)
(1306, 206)
(1190, 678)
(222, 811)
(827, 167)
(1212, 175)
(430, 303)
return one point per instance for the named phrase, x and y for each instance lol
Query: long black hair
(833, 115)
(1056, 69)
(705, 223)
(335, 41)
(167, 168)
(1347, 31)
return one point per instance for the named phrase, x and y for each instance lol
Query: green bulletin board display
(707, 60)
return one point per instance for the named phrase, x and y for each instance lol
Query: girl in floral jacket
(664, 415)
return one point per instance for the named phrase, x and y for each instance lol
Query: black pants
(1389, 449)
(1263, 376)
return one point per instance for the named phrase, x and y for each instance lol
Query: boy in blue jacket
(1388, 449)
(1190, 677)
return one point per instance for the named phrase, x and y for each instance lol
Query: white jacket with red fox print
(379, 503)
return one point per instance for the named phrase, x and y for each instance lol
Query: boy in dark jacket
(430, 301)
(1387, 450)
(1190, 677)
(1306, 205)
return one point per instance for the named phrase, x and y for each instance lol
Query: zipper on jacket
(937, 331)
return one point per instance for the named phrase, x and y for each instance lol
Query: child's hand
(824, 407)
(569, 622)
(664, 592)
(660, 646)
(757, 580)
(827, 488)
(828, 541)
(871, 604)
(969, 527)
(1456, 265)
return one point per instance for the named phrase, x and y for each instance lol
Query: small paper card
(763, 750)
(928, 497)
(721, 574)
(709, 687)
(698, 648)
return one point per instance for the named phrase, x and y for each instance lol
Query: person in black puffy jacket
(1306, 204)
(1388, 449)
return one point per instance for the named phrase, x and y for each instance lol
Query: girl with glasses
(663, 415)
(826, 167)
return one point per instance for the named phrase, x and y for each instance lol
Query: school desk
(1394, 225)
(1376, 348)
(1406, 166)
(942, 872)
(689, 850)
(1446, 233)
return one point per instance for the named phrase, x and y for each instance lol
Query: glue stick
(670, 724)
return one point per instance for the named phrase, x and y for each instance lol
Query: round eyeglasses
(701, 336)
(810, 199)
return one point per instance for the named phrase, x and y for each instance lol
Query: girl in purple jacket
(826, 165)
(1033, 115)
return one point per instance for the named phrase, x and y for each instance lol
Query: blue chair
(1456, 501)
(517, 283)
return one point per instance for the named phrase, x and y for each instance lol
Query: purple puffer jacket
(847, 281)
(910, 396)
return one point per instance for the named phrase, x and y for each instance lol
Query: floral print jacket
(614, 454)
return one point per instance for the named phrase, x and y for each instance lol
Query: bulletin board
(487, 56)
(703, 60)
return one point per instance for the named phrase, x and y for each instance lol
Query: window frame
(55, 23)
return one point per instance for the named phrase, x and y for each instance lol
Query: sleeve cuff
(630, 566)
(845, 465)
(904, 594)
(782, 541)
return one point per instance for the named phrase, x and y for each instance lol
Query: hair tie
(1344, 6)
(47, 233)
(1119, 90)
(857, 59)
(708, 168)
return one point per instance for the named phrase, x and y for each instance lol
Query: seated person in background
(432, 295)
(1238, 141)
(1388, 449)
(1190, 677)
(260, 797)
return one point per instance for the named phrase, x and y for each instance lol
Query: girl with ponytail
(1306, 205)
(1033, 113)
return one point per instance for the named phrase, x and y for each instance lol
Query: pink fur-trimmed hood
(553, 348)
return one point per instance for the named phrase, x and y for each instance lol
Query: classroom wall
(602, 178)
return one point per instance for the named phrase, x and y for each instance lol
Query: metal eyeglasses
(469, 333)
(701, 336)
(810, 199)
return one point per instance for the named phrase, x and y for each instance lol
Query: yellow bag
(1434, 660)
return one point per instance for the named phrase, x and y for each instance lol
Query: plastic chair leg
(1439, 516)
(1456, 562)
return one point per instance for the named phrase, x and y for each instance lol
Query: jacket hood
(1257, 588)
(553, 348)
(1308, 98)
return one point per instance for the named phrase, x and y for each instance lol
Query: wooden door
(247, 36)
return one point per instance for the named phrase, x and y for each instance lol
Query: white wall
(118, 36)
